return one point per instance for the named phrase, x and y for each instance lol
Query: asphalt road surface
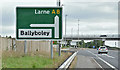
(104, 61)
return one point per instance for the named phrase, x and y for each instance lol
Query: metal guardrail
(66, 64)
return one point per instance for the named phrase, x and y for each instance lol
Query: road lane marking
(97, 63)
(92, 53)
(103, 54)
(106, 55)
(107, 63)
(103, 60)
(110, 56)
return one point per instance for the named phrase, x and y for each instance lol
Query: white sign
(55, 25)
(33, 33)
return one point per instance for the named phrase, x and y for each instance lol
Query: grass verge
(34, 61)
(73, 64)
(26, 62)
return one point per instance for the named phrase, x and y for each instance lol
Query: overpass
(92, 37)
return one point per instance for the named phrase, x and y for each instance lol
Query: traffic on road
(92, 59)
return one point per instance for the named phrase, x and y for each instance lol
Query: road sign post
(59, 49)
(39, 23)
(51, 49)
(25, 47)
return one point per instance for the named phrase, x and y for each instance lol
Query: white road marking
(107, 63)
(97, 63)
(92, 53)
(110, 56)
(99, 55)
(106, 55)
(103, 60)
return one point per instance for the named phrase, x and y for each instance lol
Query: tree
(68, 42)
(9, 37)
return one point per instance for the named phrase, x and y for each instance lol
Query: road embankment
(33, 61)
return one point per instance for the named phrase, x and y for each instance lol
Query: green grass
(65, 46)
(27, 62)
(12, 59)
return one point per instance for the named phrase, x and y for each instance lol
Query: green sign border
(60, 29)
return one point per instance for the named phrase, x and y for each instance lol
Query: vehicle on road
(102, 49)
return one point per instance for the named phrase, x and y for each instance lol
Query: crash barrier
(67, 63)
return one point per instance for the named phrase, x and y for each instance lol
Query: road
(104, 61)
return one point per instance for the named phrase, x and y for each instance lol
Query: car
(102, 49)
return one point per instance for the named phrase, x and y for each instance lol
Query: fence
(10, 44)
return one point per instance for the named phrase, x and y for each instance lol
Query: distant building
(111, 43)
(73, 43)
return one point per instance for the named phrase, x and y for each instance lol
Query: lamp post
(65, 27)
(78, 29)
(71, 33)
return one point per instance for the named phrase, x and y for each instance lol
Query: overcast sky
(96, 16)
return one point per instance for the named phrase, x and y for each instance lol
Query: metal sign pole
(59, 49)
(51, 49)
(25, 47)
(58, 4)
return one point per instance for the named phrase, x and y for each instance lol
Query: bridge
(92, 37)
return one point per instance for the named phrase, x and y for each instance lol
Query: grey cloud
(90, 15)
(92, 10)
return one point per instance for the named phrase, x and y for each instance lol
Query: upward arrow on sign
(55, 25)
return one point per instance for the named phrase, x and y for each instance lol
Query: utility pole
(115, 44)
(58, 4)
(78, 30)
(71, 33)
(65, 28)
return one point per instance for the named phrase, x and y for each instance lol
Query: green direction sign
(39, 22)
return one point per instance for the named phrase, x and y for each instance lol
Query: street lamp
(78, 29)
(65, 28)
(71, 33)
